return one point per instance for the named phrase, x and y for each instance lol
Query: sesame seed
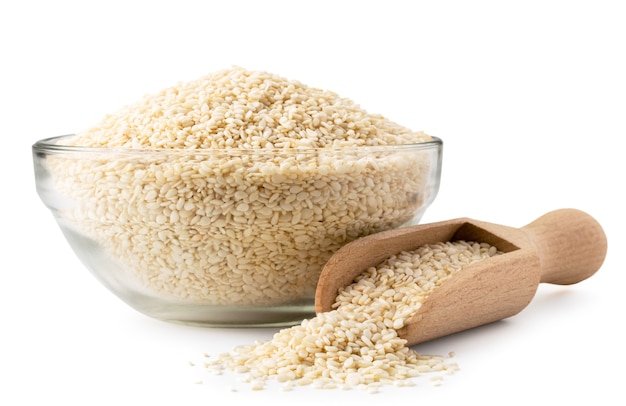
(356, 344)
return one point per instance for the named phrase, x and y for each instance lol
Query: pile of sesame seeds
(356, 345)
(244, 109)
(244, 186)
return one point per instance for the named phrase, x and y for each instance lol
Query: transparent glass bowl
(227, 237)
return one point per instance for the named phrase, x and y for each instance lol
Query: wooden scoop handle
(571, 245)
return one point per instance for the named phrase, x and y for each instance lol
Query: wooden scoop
(562, 247)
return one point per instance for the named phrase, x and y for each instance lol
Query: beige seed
(357, 345)
(243, 207)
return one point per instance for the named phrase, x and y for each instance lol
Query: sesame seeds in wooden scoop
(562, 247)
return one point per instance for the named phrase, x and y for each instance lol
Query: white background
(528, 96)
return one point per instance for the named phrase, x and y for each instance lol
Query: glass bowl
(227, 237)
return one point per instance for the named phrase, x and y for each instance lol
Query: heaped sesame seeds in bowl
(218, 201)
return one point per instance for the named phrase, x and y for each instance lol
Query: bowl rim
(51, 145)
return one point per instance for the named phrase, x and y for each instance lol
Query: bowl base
(227, 317)
(117, 281)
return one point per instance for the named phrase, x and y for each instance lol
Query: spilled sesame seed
(356, 344)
